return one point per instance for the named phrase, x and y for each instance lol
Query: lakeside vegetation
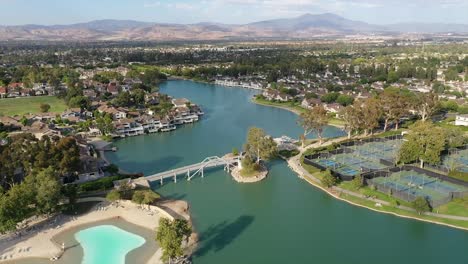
(296, 108)
(456, 207)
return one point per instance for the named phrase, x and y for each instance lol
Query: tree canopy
(424, 143)
(313, 121)
(170, 235)
(259, 145)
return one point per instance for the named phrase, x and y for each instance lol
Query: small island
(259, 147)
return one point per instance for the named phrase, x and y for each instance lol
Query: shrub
(328, 179)
(394, 203)
(421, 205)
(357, 182)
(100, 185)
(113, 169)
(235, 152)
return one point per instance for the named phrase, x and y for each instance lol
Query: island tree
(424, 143)
(313, 121)
(259, 146)
(170, 235)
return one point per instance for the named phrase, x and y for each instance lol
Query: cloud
(153, 4)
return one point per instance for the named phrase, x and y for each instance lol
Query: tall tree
(394, 106)
(48, 191)
(426, 105)
(313, 120)
(424, 143)
(259, 145)
(170, 235)
(350, 115)
(370, 113)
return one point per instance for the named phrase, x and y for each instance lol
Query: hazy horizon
(55, 12)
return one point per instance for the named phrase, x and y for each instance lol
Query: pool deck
(40, 243)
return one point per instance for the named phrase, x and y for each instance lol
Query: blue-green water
(282, 219)
(107, 244)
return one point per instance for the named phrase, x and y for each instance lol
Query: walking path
(295, 164)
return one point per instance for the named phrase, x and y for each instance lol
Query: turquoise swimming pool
(107, 244)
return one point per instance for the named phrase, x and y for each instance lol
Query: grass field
(22, 106)
(455, 207)
(297, 108)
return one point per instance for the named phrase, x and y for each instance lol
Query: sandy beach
(39, 243)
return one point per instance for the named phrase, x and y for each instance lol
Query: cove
(282, 219)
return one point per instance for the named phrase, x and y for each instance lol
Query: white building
(461, 120)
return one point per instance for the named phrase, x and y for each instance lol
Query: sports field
(362, 157)
(411, 184)
(457, 160)
(26, 105)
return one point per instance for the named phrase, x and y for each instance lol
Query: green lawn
(290, 105)
(22, 106)
(449, 123)
(402, 212)
(455, 207)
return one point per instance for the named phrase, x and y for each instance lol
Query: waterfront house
(117, 113)
(333, 108)
(179, 102)
(128, 127)
(152, 98)
(274, 95)
(311, 102)
(461, 120)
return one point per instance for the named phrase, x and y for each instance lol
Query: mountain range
(307, 26)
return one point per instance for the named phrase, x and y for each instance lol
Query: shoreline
(290, 109)
(260, 176)
(294, 163)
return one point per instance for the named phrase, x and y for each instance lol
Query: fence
(435, 196)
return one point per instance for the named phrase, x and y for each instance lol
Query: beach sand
(42, 243)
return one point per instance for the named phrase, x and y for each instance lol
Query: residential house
(333, 108)
(113, 88)
(461, 120)
(117, 113)
(274, 95)
(311, 102)
(90, 93)
(3, 92)
(152, 98)
(180, 102)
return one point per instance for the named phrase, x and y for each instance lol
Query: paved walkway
(295, 164)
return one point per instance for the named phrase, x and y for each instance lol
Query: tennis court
(386, 150)
(361, 157)
(408, 185)
(356, 161)
(457, 159)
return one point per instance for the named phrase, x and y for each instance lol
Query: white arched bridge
(194, 170)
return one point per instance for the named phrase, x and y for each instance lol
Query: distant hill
(303, 27)
(325, 21)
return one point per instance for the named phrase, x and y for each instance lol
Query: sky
(48, 12)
